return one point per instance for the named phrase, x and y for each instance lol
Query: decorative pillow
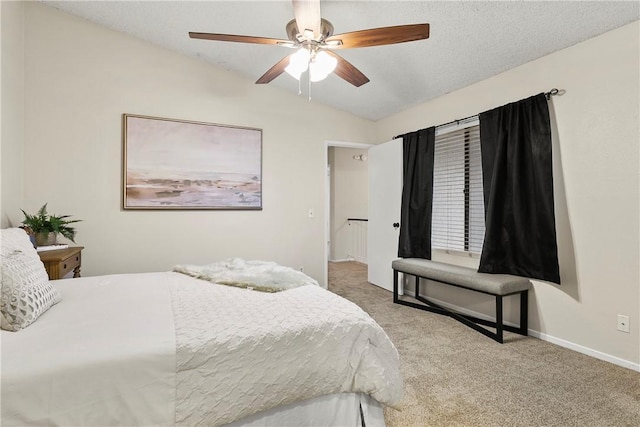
(26, 292)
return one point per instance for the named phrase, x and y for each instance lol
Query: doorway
(346, 201)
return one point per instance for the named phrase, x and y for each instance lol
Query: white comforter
(111, 353)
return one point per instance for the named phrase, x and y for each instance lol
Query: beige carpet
(455, 376)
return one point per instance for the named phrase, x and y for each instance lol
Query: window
(458, 204)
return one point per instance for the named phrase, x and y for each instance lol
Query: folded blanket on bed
(262, 276)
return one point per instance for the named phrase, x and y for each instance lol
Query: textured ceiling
(469, 42)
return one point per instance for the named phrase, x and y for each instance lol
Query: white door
(385, 194)
(327, 215)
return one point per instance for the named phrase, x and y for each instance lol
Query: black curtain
(520, 236)
(417, 194)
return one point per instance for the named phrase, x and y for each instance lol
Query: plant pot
(45, 238)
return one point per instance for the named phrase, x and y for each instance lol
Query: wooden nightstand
(61, 261)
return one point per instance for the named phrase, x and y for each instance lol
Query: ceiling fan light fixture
(298, 63)
(321, 66)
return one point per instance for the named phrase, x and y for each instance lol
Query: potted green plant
(47, 227)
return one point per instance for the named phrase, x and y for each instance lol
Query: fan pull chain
(299, 87)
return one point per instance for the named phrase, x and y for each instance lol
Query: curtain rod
(547, 95)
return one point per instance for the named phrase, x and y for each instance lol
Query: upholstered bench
(498, 285)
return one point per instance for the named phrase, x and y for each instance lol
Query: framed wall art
(180, 164)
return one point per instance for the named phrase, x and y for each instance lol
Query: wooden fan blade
(307, 14)
(274, 71)
(348, 72)
(236, 38)
(380, 36)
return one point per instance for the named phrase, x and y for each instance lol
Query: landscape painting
(179, 164)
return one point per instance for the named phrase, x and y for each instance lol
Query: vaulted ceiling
(469, 42)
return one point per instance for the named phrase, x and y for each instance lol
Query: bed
(167, 348)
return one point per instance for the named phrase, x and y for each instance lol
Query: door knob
(396, 224)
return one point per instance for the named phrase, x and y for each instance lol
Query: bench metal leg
(524, 313)
(395, 286)
(499, 323)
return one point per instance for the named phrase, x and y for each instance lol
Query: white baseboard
(586, 350)
(360, 260)
(544, 337)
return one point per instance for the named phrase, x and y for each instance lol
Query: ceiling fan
(313, 38)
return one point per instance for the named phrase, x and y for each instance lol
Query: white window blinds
(458, 204)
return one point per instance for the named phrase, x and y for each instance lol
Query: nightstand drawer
(68, 264)
(59, 263)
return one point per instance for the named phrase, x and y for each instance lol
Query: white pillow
(26, 292)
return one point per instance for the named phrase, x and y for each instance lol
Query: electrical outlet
(623, 323)
(311, 213)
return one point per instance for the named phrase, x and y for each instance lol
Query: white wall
(350, 198)
(81, 78)
(12, 117)
(597, 192)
